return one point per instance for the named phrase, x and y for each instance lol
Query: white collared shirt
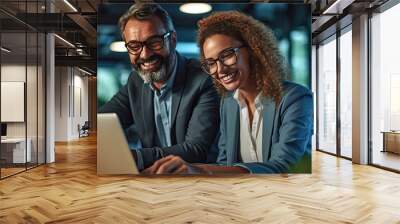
(250, 134)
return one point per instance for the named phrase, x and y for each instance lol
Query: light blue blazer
(287, 132)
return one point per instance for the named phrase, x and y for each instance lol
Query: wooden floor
(5, 172)
(386, 159)
(70, 192)
(8, 171)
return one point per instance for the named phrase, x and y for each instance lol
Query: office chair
(84, 130)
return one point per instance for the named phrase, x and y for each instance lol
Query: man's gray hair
(144, 11)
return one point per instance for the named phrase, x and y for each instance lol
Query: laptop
(113, 153)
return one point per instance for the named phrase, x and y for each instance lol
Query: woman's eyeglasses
(227, 57)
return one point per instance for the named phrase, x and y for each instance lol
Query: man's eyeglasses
(154, 43)
(227, 57)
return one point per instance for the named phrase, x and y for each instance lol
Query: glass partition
(22, 76)
(41, 96)
(346, 93)
(327, 96)
(15, 150)
(385, 89)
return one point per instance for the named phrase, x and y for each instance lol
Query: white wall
(16, 73)
(33, 126)
(61, 103)
(80, 110)
(71, 102)
(13, 72)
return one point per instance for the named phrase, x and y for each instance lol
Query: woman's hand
(173, 165)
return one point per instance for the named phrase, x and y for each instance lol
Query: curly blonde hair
(266, 62)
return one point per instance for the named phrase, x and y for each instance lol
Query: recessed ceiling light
(118, 46)
(195, 8)
(337, 7)
(5, 49)
(84, 71)
(65, 41)
(70, 5)
(79, 51)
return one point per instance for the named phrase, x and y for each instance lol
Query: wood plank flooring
(387, 159)
(69, 191)
(10, 171)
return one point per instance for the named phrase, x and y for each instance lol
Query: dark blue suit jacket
(194, 113)
(287, 131)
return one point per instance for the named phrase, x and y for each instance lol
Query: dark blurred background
(291, 24)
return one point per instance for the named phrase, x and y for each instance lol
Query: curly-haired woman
(266, 122)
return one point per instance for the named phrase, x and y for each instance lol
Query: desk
(15, 148)
(391, 141)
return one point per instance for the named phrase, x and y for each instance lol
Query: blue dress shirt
(162, 116)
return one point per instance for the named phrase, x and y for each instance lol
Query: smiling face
(152, 65)
(232, 77)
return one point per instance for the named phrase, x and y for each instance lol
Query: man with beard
(171, 105)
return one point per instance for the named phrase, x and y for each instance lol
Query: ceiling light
(195, 8)
(70, 5)
(78, 44)
(5, 50)
(338, 6)
(187, 48)
(79, 51)
(118, 46)
(84, 71)
(65, 41)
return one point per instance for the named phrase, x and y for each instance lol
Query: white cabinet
(16, 146)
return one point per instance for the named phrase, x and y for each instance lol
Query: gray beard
(157, 76)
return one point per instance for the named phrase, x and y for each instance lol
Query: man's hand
(173, 165)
